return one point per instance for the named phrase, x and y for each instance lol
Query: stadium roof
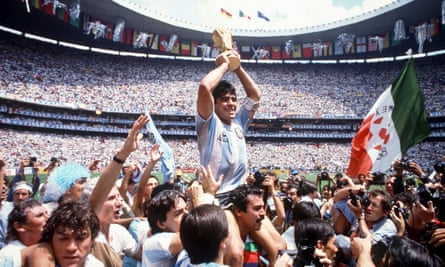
(412, 13)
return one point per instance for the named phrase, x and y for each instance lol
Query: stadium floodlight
(379, 59)
(350, 61)
(132, 54)
(6, 29)
(40, 38)
(104, 51)
(72, 45)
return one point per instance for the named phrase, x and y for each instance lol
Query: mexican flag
(396, 122)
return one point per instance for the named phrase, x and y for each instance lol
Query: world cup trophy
(222, 38)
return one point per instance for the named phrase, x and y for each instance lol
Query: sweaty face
(251, 219)
(225, 107)
(72, 247)
(110, 211)
(36, 218)
(174, 217)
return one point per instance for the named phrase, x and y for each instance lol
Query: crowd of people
(306, 157)
(337, 221)
(231, 214)
(40, 72)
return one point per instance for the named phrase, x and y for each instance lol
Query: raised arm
(139, 197)
(205, 101)
(111, 171)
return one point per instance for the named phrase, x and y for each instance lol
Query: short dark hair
(403, 251)
(19, 214)
(313, 230)
(305, 210)
(74, 215)
(160, 205)
(223, 88)
(238, 197)
(386, 200)
(202, 231)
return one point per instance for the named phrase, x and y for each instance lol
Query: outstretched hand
(134, 135)
(209, 184)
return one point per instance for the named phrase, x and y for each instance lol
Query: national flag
(163, 40)
(327, 49)
(276, 52)
(373, 43)
(109, 31)
(48, 8)
(261, 15)
(37, 4)
(226, 13)
(396, 122)
(338, 47)
(62, 14)
(185, 48)
(243, 15)
(361, 44)
(167, 158)
(434, 26)
(128, 35)
(195, 49)
(386, 40)
(155, 42)
(175, 48)
(307, 50)
(74, 21)
(297, 51)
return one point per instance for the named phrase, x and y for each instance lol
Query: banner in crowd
(167, 159)
(396, 122)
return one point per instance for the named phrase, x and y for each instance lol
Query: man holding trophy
(221, 124)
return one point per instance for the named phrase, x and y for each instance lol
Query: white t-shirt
(10, 254)
(156, 251)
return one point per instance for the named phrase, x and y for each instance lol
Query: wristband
(118, 160)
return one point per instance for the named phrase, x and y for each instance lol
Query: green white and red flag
(396, 122)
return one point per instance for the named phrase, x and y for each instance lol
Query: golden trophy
(222, 38)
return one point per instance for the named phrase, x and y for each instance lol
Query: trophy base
(234, 62)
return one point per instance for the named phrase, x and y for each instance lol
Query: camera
(404, 164)
(32, 161)
(378, 178)
(324, 176)
(259, 179)
(361, 196)
(399, 210)
(424, 195)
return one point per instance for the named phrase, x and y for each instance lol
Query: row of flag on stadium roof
(243, 14)
(178, 46)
